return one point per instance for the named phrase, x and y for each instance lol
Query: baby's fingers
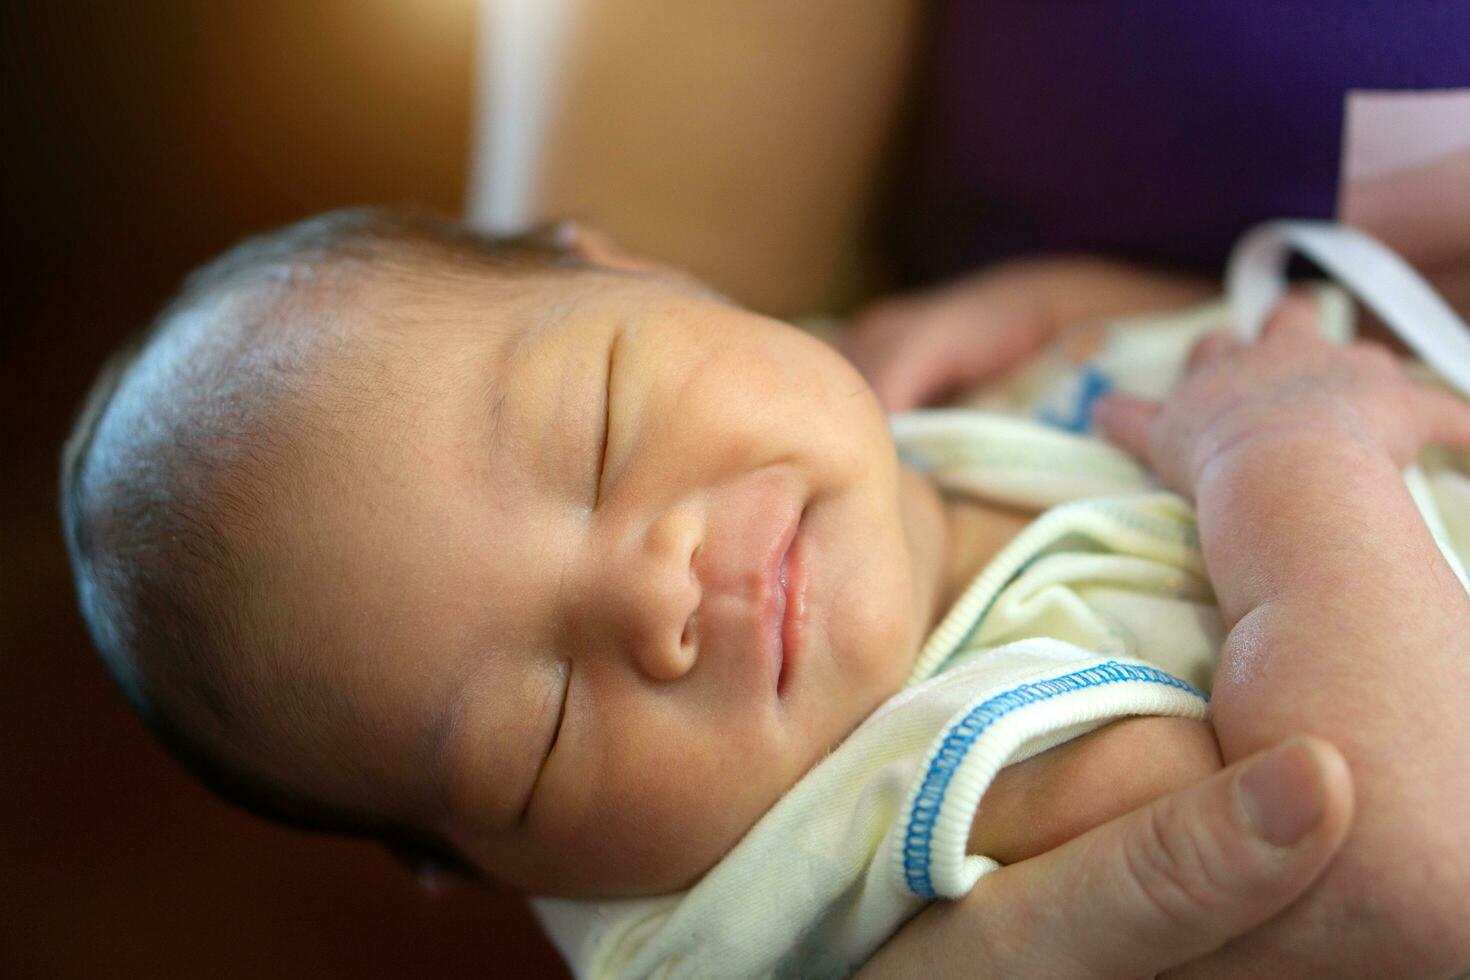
(1295, 319)
(1448, 416)
(1125, 420)
(1209, 348)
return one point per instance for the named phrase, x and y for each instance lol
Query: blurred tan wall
(142, 137)
(749, 142)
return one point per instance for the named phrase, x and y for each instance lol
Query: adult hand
(917, 348)
(1156, 889)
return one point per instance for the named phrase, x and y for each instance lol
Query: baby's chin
(653, 862)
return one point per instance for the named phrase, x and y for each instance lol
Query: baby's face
(620, 573)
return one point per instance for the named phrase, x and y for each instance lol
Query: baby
(552, 567)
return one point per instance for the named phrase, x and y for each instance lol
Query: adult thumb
(1173, 881)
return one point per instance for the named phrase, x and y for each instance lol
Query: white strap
(1255, 280)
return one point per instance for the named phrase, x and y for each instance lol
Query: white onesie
(1098, 610)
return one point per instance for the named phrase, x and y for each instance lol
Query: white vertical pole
(520, 57)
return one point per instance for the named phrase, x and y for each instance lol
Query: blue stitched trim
(963, 735)
(1092, 384)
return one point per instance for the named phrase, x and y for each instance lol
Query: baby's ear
(429, 873)
(601, 249)
(436, 873)
(434, 880)
(433, 874)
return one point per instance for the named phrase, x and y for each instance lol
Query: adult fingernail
(1283, 794)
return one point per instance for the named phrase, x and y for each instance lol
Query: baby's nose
(661, 596)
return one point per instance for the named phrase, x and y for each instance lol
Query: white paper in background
(521, 46)
(1405, 172)
(1391, 131)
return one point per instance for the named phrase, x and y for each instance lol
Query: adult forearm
(1348, 623)
(1071, 289)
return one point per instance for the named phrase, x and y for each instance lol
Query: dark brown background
(140, 138)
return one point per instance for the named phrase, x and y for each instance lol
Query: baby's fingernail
(1283, 793)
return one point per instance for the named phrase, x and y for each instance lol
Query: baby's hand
(1339, 605)
(915, 349)
(1291, 385)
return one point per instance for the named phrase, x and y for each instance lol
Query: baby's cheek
(881, 636)
(674, 810)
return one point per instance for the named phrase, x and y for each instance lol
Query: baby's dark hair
(162, 489)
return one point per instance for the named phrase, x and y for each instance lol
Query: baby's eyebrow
(507, 381)
(497, 381)
(496, 411)
(497, 387)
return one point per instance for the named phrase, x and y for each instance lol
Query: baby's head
(523, 555)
